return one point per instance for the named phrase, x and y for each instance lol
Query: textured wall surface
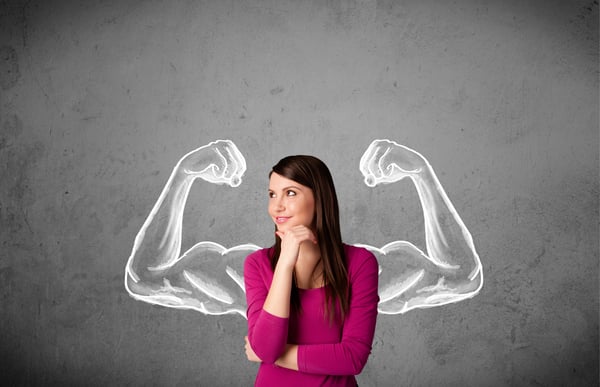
(99, 99)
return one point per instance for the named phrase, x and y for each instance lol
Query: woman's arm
(157, 273)
(269, 310)
(451, 270)
(267, 333)
(349, 356)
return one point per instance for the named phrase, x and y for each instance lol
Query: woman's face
(290, 203)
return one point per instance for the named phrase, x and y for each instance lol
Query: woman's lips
(281, 219)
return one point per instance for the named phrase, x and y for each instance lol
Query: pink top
(328, 354)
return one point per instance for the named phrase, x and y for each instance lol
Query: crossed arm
(267, 339)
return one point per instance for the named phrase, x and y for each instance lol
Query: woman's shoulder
(259, 257)
(357, 256)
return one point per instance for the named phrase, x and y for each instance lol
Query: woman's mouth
(281, 219)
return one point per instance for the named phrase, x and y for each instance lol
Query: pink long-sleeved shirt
(328, 354)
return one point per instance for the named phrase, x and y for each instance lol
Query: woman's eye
(271, 194)
(291, 193)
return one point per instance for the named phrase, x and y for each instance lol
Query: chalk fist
(386, 161)
(218, 162)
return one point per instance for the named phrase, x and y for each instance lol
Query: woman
(312, 300)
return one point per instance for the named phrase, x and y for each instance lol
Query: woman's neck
(308, 267)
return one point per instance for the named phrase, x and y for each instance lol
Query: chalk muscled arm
(207, 276)
(450, 270)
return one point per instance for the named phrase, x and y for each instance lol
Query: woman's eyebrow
(288, 187)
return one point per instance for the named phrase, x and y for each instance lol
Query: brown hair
(314, 174)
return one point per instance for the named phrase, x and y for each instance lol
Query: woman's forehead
(278, 182)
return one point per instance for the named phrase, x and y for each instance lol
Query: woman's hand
(291, 241)
(218, 162)
(250, 352)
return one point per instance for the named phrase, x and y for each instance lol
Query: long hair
(314, 174)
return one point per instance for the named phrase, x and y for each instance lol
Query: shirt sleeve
(267, 333)
(349, 356)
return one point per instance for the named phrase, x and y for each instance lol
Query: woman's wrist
(285, 265)
(289, 359)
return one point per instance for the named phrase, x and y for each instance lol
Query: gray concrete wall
(99, 99)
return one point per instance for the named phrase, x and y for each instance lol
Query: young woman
(312, 300)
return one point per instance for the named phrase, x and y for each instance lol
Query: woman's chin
(282, 227)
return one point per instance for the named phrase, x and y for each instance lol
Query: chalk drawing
(409, 278)
(209, 277)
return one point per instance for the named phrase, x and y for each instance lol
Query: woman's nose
(280, 204)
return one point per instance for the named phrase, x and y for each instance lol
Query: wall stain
(11, 130)
(277, 90)
(9, 67)
(17, 159)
